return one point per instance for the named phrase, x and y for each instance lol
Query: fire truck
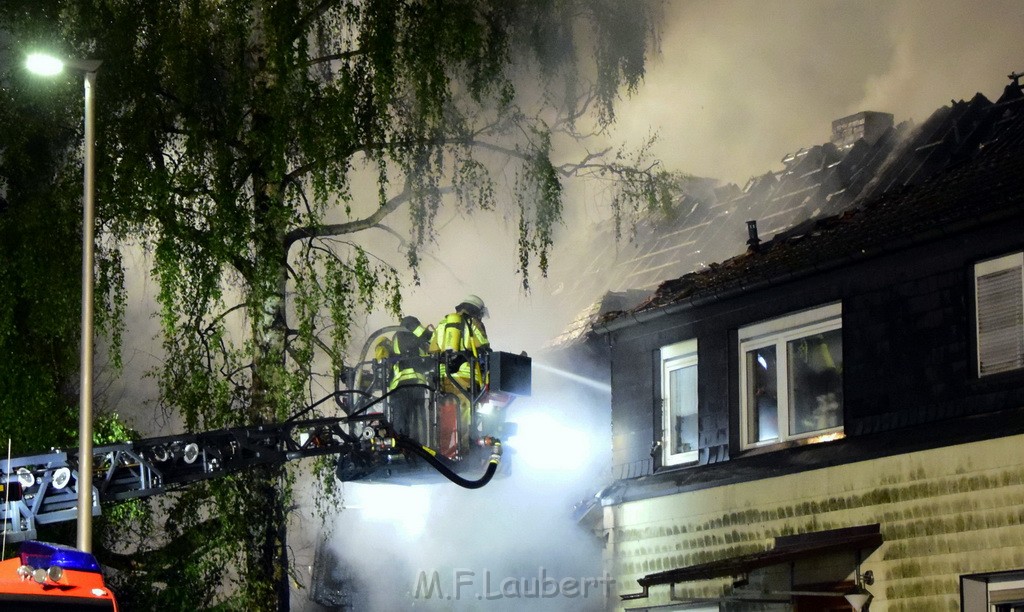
(447, 445)
(53, 577)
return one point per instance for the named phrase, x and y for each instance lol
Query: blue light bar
(45, 555)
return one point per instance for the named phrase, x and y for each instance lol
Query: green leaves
(40, 258)
(231, 134)
(539, 198)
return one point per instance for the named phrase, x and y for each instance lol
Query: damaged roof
(706, 222)
(961, 167)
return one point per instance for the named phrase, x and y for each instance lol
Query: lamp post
(48, 66)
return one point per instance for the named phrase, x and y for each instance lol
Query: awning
(787, 549)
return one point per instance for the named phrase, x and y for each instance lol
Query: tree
(40, 244)
(38, 341)
(230, 133)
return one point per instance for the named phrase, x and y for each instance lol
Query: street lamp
(47, 65)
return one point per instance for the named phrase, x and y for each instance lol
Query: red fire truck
(45, 577)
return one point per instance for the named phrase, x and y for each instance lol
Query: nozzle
(489, 441)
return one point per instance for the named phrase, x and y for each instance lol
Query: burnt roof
(962, 167)
(706, 222)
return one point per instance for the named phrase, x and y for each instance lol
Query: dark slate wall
(908, 341)
(716, 352)
(633, 368)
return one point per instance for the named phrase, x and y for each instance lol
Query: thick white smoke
(511, 545)
(743, 82)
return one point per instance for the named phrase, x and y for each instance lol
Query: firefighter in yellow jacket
(409, 377)
(463, 333)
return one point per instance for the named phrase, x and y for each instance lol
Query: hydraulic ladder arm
(43, 489)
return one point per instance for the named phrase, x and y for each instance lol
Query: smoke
(511, 545)
(741, 83)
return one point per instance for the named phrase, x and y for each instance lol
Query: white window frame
(984, 592)
(777, 332)
(673, 357)
(982, 269)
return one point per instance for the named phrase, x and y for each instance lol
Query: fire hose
(428, 454)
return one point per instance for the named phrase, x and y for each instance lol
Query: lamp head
(44, 64)
(859, 598)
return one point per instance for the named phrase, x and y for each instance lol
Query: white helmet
(475, 302)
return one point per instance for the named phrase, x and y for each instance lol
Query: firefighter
(462, 339)
(409, 377)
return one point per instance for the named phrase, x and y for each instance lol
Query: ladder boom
(43, 488)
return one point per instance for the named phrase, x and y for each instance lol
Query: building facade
(838, 410)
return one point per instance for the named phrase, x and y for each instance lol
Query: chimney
(1013, 90)
(869, 125)
(753, 242)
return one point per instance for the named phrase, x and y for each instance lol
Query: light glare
(544, 442)
(404, 508)
(44, 64)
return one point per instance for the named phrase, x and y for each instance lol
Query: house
(839, 409)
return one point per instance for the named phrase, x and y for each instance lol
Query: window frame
(675, 357)
(986, 268)
(778, 332)
(991, 591)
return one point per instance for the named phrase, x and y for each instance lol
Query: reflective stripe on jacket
(409, 347)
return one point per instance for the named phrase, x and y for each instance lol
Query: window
(791, 377)
(999, 304)
(995, 592)
(679, 403)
